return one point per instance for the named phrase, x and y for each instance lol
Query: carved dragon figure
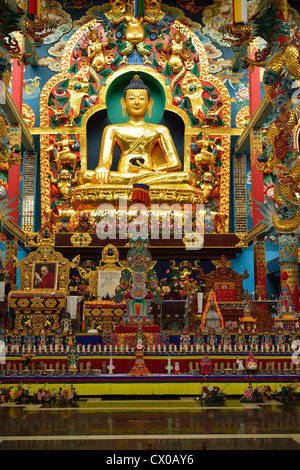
(283, 159)
(261, 23)
(281, 59)
(13, 19)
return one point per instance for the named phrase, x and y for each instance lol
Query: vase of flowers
(286, 393)
(4, 275)
(4, 395)
(19, 394)
(74, 283)
(212, 394)
(82, 223)
(27, 360)
(67, 395)
(44, 395)
(262, 393)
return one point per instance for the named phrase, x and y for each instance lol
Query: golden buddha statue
(148, 154)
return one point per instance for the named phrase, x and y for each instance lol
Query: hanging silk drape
(138, 8)
(33, 7)
(239, 11)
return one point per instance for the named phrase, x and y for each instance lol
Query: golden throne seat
(104, 315)
(37, 310)
(90, 196)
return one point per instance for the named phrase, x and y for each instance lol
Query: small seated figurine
(251, 363)
(206, 365)
(138, 141)
(240, 364)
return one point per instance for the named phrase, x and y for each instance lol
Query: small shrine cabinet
(101, 314)
(41, 300)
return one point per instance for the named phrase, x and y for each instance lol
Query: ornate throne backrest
(54, 261)
(225, 282)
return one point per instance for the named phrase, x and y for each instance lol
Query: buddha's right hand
(101, 175)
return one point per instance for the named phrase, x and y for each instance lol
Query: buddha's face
(136, 103)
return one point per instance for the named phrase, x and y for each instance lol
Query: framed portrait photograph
(107, 283)
(44, 276)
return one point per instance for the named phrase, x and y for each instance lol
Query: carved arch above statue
(70, 98)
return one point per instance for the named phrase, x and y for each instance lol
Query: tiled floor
(175, 424)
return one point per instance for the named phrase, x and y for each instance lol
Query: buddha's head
(137, 98)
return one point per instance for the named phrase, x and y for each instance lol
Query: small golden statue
(97, 53)
(209, 184)
(148, 154)
(62, 152)
(64, 182)
(177, 56)
(77, 89)
(208, 154)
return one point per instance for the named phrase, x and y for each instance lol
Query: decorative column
(255, 136)
(16, 136)
(260, 270)
(289, 275)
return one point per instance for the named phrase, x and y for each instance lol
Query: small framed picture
(107, 283)
(44, 276)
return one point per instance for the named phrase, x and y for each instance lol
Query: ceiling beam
(256, 122)
(15, 117)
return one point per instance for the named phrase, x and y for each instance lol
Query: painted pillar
(260, 269)
(14, 172)
(289, 276)
(255, 137)
(260, 281)
(11, 245)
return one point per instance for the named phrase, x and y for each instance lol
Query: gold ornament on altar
(78, 89)
(109, 263)
(134, 35)
(45, 255)
(193, 89)
(242, 117)
(64, 182)
(81, 239)
(117, 6)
